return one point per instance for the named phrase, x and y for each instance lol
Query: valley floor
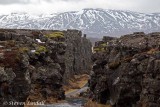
(76, 83)
(72, 91)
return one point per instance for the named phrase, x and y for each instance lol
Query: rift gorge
(87, 58)
(52, 68)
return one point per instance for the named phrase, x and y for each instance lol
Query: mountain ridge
(94, 22)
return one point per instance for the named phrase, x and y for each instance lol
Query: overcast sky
(54, 6)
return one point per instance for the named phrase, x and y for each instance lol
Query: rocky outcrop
(31, 69)
(34, 64)
(78, 49)
(78, 54)
(14, 78)
(126, 71)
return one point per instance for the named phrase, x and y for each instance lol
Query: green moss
(23, 49)
(40, 49)
(61, 42)
(157, 53)
(34, 45)
(104, 45)
(103, 50)
(55, 35)
(96, 49)
(99, 49)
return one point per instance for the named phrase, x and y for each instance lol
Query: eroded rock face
(31, 69)
(47, 71)
(34, 64)
(14, 74)
(78, 54)
(126, 71)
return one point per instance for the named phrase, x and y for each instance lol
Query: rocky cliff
(126, 70)
(33, 63)
(78, 54)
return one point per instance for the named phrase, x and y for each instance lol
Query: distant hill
(94, 22)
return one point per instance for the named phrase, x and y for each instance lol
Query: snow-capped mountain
(94, 22)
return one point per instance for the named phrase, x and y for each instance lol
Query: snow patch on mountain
(94, 22)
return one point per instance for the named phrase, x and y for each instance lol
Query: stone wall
(126, 71)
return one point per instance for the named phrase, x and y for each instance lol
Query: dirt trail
(77, 85)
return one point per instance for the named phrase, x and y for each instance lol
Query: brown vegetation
(76, 83)
(114, 65)
(95, 104)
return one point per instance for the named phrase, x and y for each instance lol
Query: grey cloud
(145, 6)
(71, 0)
(48, 0)
(64, 0)
(8, 2)
(5, 2)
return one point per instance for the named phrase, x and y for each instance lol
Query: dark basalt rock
(130, 78)
(78, 54)
(34, 67)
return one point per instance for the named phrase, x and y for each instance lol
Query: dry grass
(30, 106)
(127, 59)
(114, 65)
(78, 82)
(152, 51)
(95, 104)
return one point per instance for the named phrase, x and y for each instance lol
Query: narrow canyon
(63, 69)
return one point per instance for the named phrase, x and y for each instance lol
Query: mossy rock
(41, 49)
(34, 45)
(23, 49)
(152, 51)
(157, 52)
(96, 49)
(61, 42)
(103, 45)
(114, 65)
(99, 49)
(55, 35)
